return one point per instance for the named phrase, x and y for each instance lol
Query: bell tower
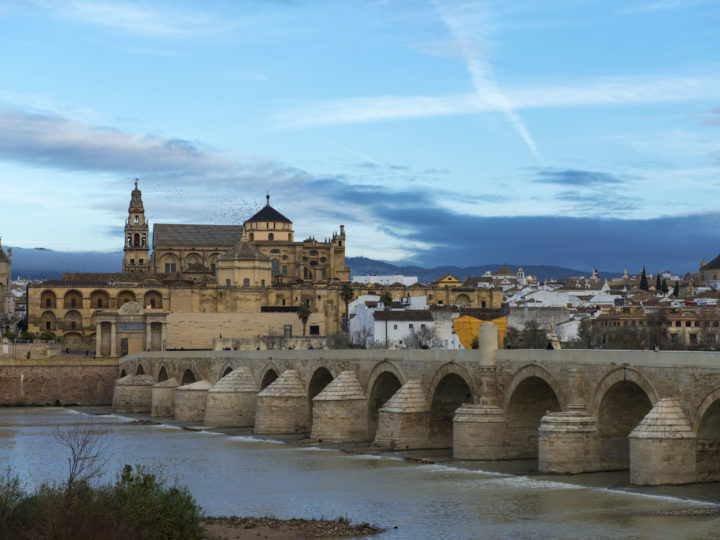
(137, 247)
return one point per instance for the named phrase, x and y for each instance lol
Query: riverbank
(230, 528)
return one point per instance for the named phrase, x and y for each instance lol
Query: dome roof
(268, 213)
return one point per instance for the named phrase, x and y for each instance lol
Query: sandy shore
(231, 528)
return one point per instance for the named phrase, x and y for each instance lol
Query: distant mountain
(41, 262)
(362, 266)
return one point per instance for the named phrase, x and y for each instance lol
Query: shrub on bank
(136, 506)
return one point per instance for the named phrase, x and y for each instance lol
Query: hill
(41, 262)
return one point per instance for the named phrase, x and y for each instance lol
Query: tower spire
(268, 199)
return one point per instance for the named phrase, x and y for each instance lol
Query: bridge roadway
(656, 413)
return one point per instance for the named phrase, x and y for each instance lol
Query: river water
(246, 476)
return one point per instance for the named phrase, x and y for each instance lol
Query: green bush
(137, 506)
(47, 336)
(10, 335)
(27, 336)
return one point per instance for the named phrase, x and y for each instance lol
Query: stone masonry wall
(64, 383)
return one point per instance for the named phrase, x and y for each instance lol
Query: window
(688, 323)
(137, 219)
(129, 240)
(48, 302)
(484, 305)
(314, 330)
(313, 253)
(246, 282)
(283, 301)
(169, 267)
(143, 241)
(697, 323)
(72, 325)
(411, 326)
(274, 251)
(132, 261)
(212, 268)
(271, 236)
(152, 303)
(284, 257)
(287, 330)
(72, 302)
(284, 270)
(678, 323)
(422, 325)
(99, 302)
(227, 282)
(394, 326)
(693, 339)
(47, 325)
(141, 261)
(275, 267)
(252, 237)
(262, 282)
(673, 338)
(323, 259)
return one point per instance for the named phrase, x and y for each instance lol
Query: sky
(575, 133)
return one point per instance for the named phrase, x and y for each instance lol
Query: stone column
(282, 407)
(148, 335)
(113, 338)
(479, 429)
(662, 447)
(98, 339)
(567, 439)
(340, 411)
(404, 419)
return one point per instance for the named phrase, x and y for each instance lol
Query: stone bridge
(656, 413)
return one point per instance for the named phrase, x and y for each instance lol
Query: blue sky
(579, 133)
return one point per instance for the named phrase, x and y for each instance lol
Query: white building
(386, 280)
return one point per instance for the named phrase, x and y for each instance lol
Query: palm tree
(386, 298)
(303, 313)
(347, 293)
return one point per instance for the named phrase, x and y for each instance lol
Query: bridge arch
(386, 378)
(707, 418)
(188, 377)
(622, 399)
(224, 368)
(532, 393)
(162, 374)
(451, 386)
(533, 370)
(622, 374)
(268, 374)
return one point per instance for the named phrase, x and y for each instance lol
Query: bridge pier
(231, 401)
(340, 411)
(479, 432)
(282, 406)
(163, 398)
(133, 394)
(663, 447)
(567, 440)
(404, 419)
(190, 401)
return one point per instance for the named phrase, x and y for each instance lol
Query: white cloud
(598, 91)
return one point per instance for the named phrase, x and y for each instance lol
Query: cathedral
(199, 283)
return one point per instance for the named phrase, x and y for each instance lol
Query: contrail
(469, 24)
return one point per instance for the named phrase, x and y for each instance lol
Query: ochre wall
(73, 382)
(197, 330)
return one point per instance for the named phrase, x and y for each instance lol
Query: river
(246, 476)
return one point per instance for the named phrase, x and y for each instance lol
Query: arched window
(129, 240)
(275, 264)
(48, 302)
(246, 282)
(99, 302)
(137, 239)
(143, 241)
(137, 219)
(73, 302)
(271, 236)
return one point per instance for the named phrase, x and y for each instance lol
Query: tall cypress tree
(658, 284)
(643, 281)
(664, 286)
(676, 290)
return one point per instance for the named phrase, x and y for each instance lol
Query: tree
(86, 461)
(656, 333)
(422, 338)
(533, 337)
(303, 313)
(643, 281)
(386, 298)
(347, 293)
(676, 290)
(664, 286)
(658, 284)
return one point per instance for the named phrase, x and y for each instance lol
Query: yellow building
(235, 281)
(447, 281)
